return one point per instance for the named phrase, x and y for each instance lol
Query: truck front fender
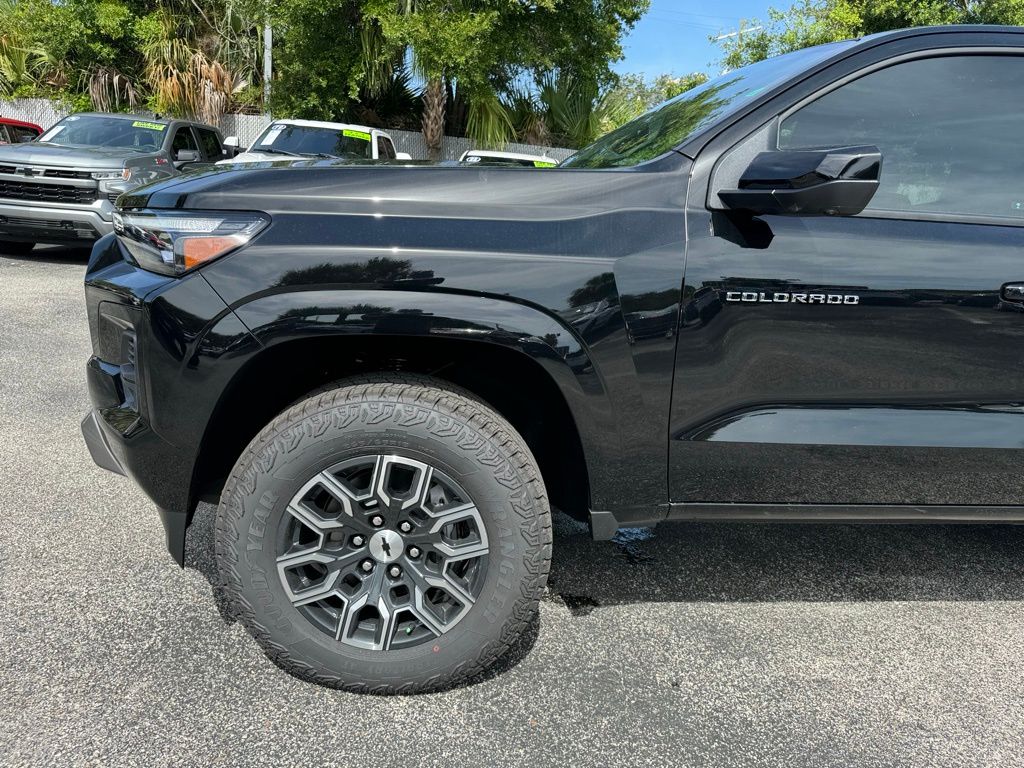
(278, 318)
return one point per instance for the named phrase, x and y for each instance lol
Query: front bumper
(99, 447)
(164, 350)
(56, 224)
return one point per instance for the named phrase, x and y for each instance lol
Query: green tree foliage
(633, 95)
(490, 49)
(812, 22)
(498, 70)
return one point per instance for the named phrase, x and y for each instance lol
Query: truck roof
(324, 124)
(148, 118)
(20, 123)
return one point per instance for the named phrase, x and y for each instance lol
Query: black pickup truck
(794, 293)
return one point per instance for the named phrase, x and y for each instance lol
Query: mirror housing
(186, 156)
(808, 182)
(231, 146)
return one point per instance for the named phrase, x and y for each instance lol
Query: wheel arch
(318, 337)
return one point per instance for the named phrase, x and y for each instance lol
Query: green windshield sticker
(356, 134)
(543, 164)
(150, 126)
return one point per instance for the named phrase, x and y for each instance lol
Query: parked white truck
(312, 138)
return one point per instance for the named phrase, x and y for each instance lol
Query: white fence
(247, 127)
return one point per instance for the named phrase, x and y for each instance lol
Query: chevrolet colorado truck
(794, 293)
(61, 187)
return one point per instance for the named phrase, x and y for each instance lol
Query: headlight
(123, 175)
(174, 242)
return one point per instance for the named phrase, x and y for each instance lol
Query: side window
(20, 134)
(5, 138)
(948, 128)
(183, 139)
(385, 149)
(211, 144)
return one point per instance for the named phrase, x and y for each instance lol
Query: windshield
(670, 124)
(313, 141)
(100, 131)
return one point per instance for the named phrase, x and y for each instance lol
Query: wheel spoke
(310, 519)
(372, 593)
(312, 593)
(382, 472)
(457, 551)
(348, 500)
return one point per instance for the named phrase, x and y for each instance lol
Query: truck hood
(403, 189)
(256, 157)
(83, 158)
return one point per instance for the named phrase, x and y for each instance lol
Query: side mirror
(186, 156)
(808, 182)
(403, 156)
(231, 146)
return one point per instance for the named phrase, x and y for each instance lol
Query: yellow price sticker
(543, 164)
(356, 134)
(150, 126)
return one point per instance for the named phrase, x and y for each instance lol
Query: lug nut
(394, 571)
(405, 526)
(376, 521)
(414, 551)
(358, 541)
(367, 565)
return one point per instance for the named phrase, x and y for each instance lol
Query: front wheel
(385, 536)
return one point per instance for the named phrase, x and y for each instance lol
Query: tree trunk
(434, 98)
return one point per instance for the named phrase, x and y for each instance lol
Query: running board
(845, 513)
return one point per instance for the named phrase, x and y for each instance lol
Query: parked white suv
(311, 138)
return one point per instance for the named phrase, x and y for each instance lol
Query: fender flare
(279, 317)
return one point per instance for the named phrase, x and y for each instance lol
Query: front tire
(387, 535)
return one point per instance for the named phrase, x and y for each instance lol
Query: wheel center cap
(386, 546)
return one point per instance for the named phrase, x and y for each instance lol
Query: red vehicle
(17, 131)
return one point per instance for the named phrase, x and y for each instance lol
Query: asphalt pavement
(691, 645)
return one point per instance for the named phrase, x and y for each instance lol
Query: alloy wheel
(382, 552)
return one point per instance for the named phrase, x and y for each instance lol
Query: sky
(672, 38)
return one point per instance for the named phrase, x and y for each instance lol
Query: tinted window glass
(20, 134)
(949, 131)
(211, 144)
(100, 131)
(670, 124)
(314, 141)
(4, 136)
(184, 139)
(386, 149)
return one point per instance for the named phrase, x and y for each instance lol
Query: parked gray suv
(61, 187)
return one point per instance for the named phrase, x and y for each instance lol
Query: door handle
(1013, 292)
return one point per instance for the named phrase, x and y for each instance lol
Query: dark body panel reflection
(928, 332)
(579, 269)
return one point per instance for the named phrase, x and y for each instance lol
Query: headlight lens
(122, 175)
(174, 242)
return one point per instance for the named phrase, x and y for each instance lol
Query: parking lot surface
(692, 645)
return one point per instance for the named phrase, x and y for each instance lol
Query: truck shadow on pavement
(773, 562)
(54, 254)
(745, 562)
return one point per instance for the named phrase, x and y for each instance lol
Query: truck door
(903, 384)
